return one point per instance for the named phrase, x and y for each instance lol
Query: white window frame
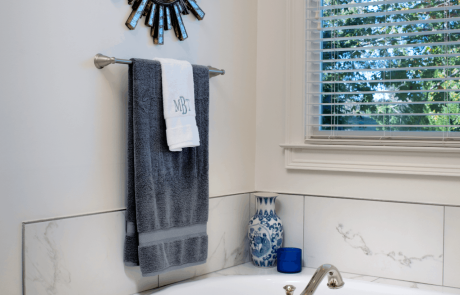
(353, 156)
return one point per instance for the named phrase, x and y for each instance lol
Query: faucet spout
(334, 281)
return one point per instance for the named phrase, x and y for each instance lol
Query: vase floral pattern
(265, 232)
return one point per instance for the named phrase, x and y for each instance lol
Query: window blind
(383, 70)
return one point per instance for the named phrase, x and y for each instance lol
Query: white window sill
(435, 161)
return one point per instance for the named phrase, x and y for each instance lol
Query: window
(383, 71)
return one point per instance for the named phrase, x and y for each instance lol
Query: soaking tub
(247, 279)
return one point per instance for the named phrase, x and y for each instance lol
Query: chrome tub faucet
(334, 280)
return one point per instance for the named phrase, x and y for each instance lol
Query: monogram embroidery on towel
(181, 105)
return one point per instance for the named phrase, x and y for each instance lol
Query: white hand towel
(179, 104)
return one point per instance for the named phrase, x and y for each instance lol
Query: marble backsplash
(415, 243)
(84, 255)
(386, 240)
(381, 239)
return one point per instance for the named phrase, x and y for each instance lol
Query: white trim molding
(374, 159)
(306, 155)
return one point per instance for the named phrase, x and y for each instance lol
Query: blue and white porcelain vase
(265, 231)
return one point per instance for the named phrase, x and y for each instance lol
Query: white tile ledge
(250, 269)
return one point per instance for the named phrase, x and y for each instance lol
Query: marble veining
(241, 253)
(81, 255)
(58, 274)
(381, 239)
(358, 277)
(356, 241)
(230, 257)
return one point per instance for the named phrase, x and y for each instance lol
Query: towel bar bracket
(101, 61)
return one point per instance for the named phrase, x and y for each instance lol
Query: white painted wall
(63, 122)
(270, 172)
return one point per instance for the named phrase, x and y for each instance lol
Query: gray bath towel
(168, 192)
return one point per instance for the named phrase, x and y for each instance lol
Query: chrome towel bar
(101, 61)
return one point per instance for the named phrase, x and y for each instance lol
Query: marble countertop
(250, 269)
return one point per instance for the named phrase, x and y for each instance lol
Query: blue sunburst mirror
(163, 15)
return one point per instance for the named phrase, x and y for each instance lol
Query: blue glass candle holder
(289, 260)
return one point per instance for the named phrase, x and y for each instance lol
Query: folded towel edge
(164, 256)
(172, 268)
